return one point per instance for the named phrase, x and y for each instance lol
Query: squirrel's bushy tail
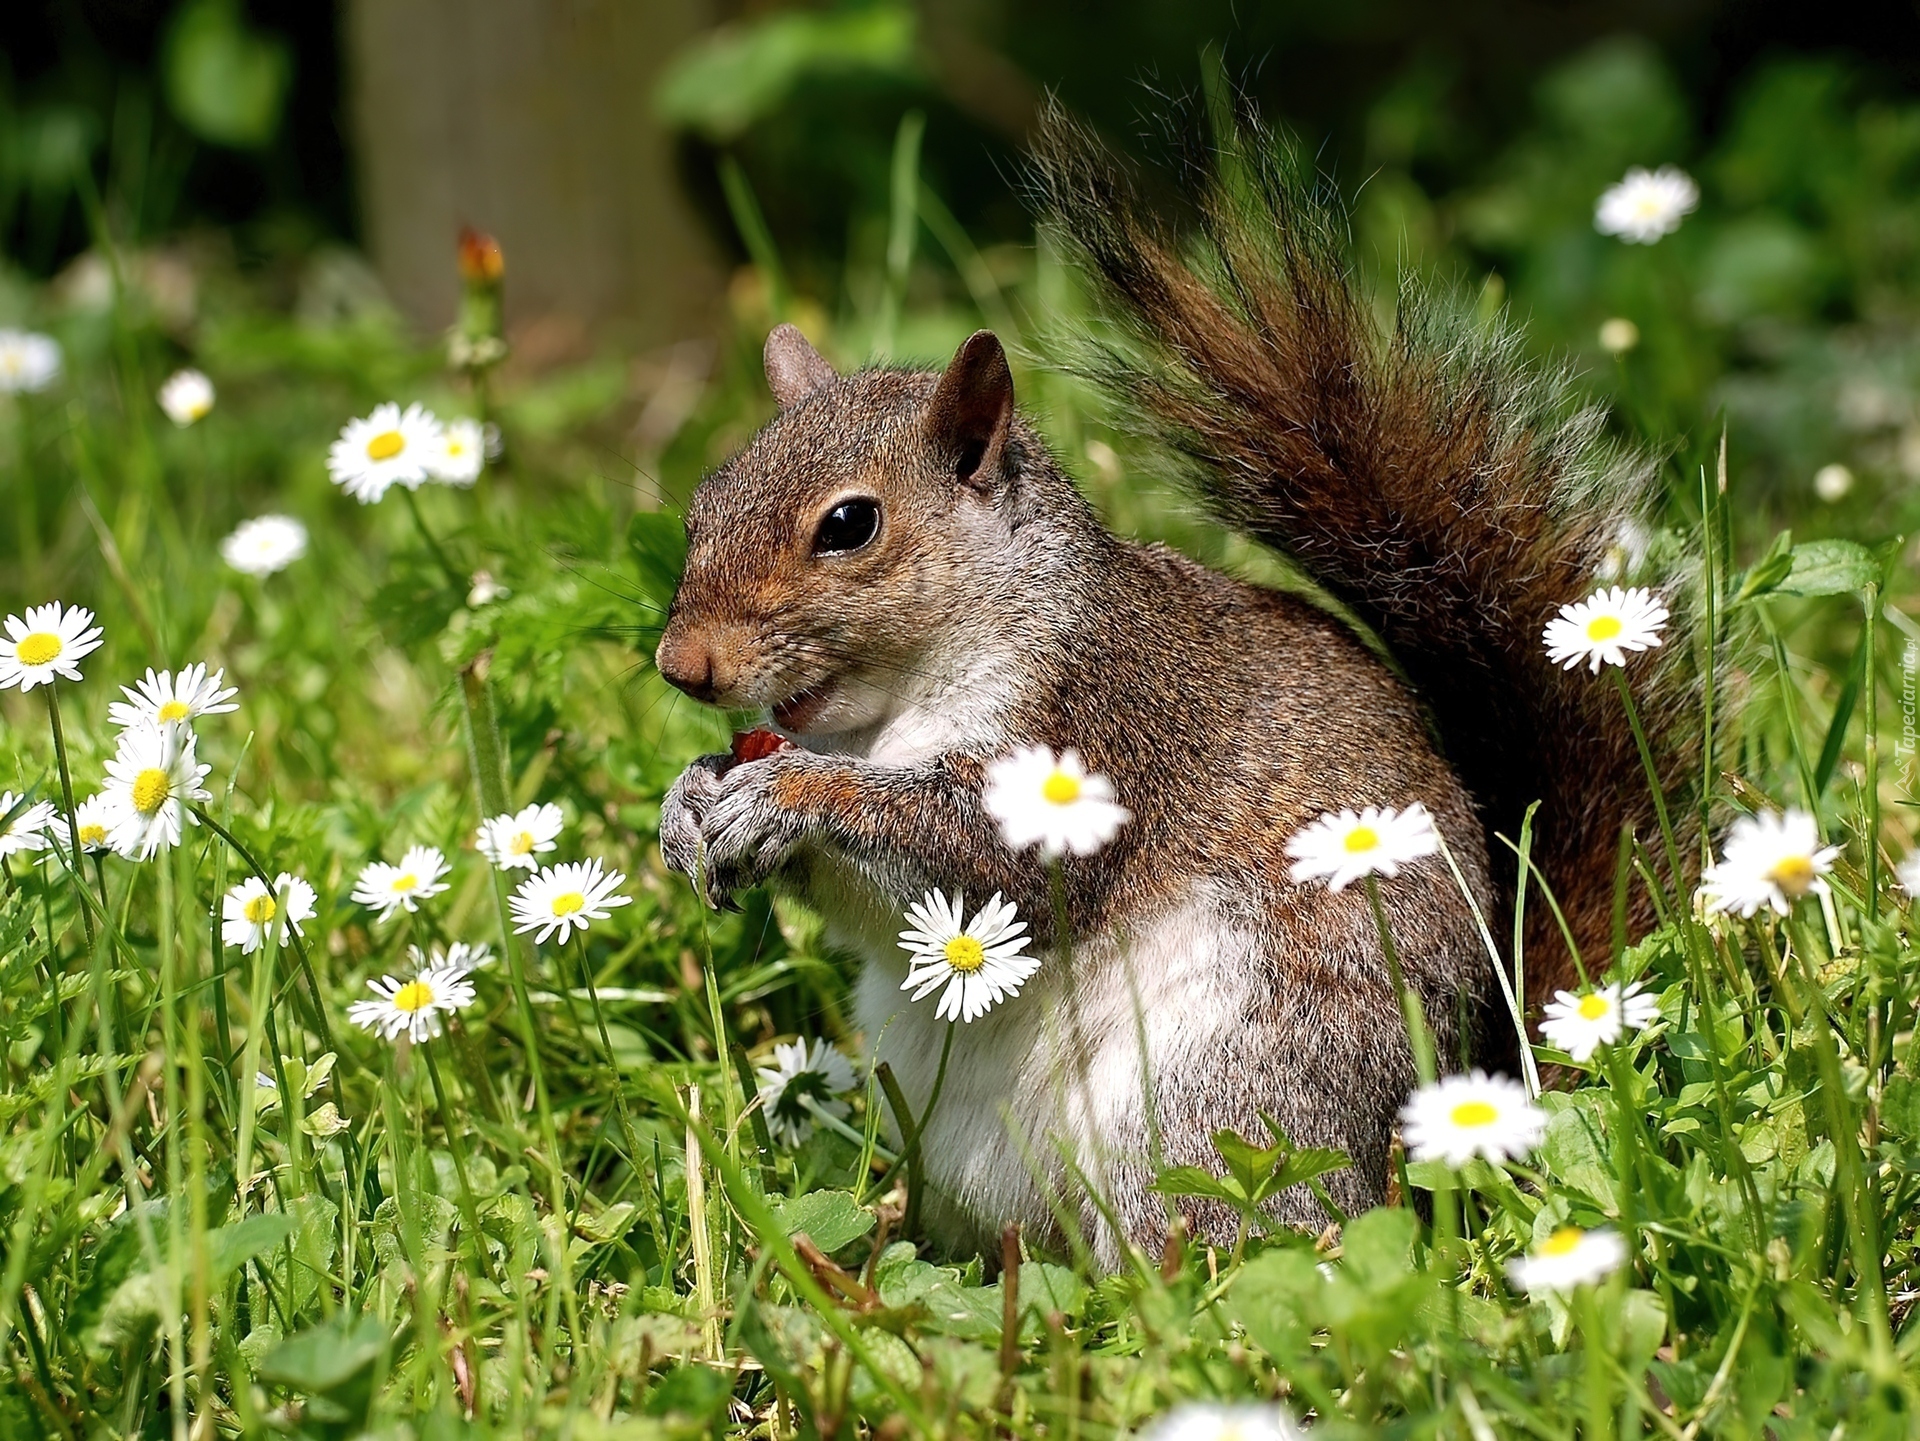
(1449, 491)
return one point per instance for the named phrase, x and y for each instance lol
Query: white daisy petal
(1223, 1421)
(1052, 802)
(29, 362)
(1770, 859)
(1581, 1024)
(94, 818)
(461, 454)
(979, 964)
(186, 397)
(164, 698)
(1601, 629)
(565, 898)
(25, 827)
(390, 447)
(150, 779)
(1569, 1258)
(1646, 204)
(249, 911)
(806, 1077)
(387, 889)
(50, 641)
(512, 842)
(1462, 1116)
(412, 1008)
(1340, 849)
(265, 544)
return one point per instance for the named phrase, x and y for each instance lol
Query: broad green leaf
(830, 1218)
(327, 1357)
(1829, 567)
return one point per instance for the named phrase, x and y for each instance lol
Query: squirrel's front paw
(748, 830)
(683, 812)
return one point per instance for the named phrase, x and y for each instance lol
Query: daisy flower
(49, 642)
(388, 448)
(806, 1077)
(462, 452)
(1568, 1258)
(1052, 802)
(511, 842)
(386, 888)
(24, 827)
(1377, 841)
(412, 1008)
(981, 962)
(1459, 1117)
(248, 911)
(1646, 204)
(93, 819)
(167, 698)
(1602, 628)
(565, 898)
(1769, 860)
(265, 544)
(1618, 335)
(28, 361)
(1223, 1421)
(186, 397)
(459, 958)
(1580, 1025)
(150, 778)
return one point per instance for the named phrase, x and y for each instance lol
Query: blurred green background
(636, 159)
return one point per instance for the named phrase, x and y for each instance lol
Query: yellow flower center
(1563, 1241)
(1794, 875)
(38, 648)
(1604, 627)
(1061, 789)
(386, 445)
(92, 833)
(1470, 1115)
(1361, 839)
(1594, 1007)
(260, 910)
(566, 903)
(405, 882)
(413, 996)
(522, 844)
(151, 789)
(965, 954)
(173, 710)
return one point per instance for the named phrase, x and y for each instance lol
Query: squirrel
(898, 571)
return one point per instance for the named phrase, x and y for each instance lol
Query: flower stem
(457, 1146)
(911, 1150)
(454, 578)
(1418, 1036)
(490, 789)
(318, 1015)
(606, 1046)
(66, 796)
(1653, 781)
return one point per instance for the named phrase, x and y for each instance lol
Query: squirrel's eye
(848, 526)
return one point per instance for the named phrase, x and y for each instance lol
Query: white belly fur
(1014, 1097)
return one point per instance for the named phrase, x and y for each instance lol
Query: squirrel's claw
(682, 819)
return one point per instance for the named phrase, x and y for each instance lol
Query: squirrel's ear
(794, 368)
(972, 410)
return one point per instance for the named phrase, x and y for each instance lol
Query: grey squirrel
(898, 572)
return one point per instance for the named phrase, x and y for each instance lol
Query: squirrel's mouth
(798, 711)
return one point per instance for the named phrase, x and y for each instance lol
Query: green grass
(509, 1224)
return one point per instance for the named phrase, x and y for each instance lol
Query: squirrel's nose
(686, 665)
